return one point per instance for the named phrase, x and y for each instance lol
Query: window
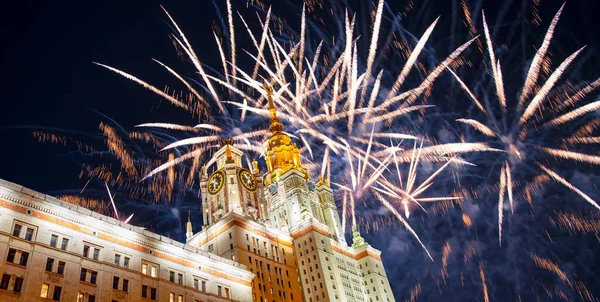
(227, 292)
(24, 257)
(153, 293)
(5, 281)
(92, 298)
(171, 297)
(144, 268)
(93, 276)
(53, 240)
(117, 259)
(115, 282)
(153, 271)
(144, 291)
(49, 264)
(17, 230)
(196, 284)
(63, 245)
(172, 276)
(211, 248)
(126, 262)
(79, 297)
(180, 279)
(57, 291)
(18, 285)
(45, 290)
(11, 255)
(219, 290)
(125, 285)
(86, 251)
(83, 274)
(230, 236)
(29, 234)
(96, 253)
(61, 267)
(204, 285)
(180, 298)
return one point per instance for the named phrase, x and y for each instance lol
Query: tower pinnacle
(275, 126)
(189, 232)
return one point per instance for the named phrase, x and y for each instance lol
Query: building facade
(284, 226)
(266, 237)
(53, 250)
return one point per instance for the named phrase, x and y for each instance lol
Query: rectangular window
(61, 268)
(144, 291)
(92, 298)
(53, 240)
(219, 290)
(45, 290)
(203, 285)
(115, 282)
(180, 279)
(18, 285)
(180, 298)
(93, 276)
(83, 274)
(196, 284)
(29, 234)
(17, 230)
(79, 297)
(86, 251)
(96, 253)
(227, 293)
(56, 296)
(172, 276)
(5, 281)
(126, 262)
(153, 271)
(125, 285)
(64, 243)
(144, 268)
(24, 257)
(11, 255)
(171, 297)
(49, 264)
(117, 259)
(211, 248)
(153, 293)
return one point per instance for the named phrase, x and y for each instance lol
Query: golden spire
(281, 154)
(276, 126)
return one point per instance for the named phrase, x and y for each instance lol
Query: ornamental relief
(53, 278)
(120, 294)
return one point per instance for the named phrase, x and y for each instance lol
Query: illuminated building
(284, 227)
(54, 250)
(271, 237)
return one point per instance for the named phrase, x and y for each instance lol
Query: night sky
(49, 81)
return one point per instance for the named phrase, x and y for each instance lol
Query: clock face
(215, 182)
(247, 179)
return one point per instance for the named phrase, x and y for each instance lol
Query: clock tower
(230, 187)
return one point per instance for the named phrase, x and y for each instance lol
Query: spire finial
(276, 126)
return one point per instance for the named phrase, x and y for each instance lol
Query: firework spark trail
(495, 66)
(171, 99)
(501, 202)
(536, 63)
(568, 185)
(543, 92)
(231, 40)
(483, 285)
(401, 219)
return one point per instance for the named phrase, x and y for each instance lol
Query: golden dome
(282, 154)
